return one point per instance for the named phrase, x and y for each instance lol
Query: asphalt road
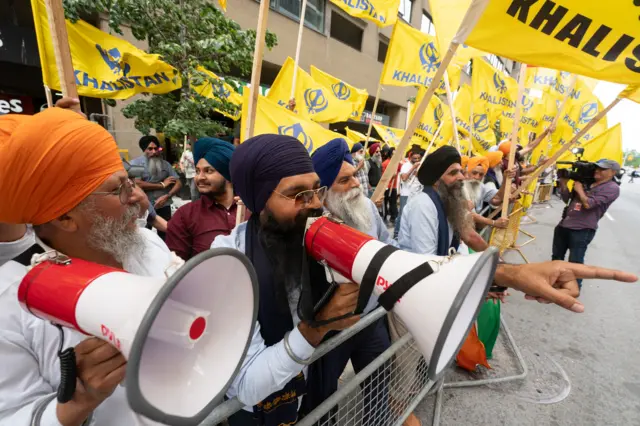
(584, 369)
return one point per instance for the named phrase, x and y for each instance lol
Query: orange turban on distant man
(505, 147)
(52, 161)
(494, 158)
(464, 161)
(478, 161)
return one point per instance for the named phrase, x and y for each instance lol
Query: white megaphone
(437, 297)
(184, 337)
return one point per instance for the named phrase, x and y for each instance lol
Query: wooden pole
(472, 127)
(413, 123)
(452, 110)
(303, 12)
(564, 149)
(373, 116)
(254, 93)
(514, 139)
(48, 95)
(61, 49)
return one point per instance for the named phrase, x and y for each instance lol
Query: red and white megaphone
(438, 298)
(184, 337)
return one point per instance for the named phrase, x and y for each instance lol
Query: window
(496, 62)
(426, 25)
(314, 15)
(383, 46)
(342, 29)
(405, 10)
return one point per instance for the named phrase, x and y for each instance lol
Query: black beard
(455, 205)
(217, 191)
(283, 243)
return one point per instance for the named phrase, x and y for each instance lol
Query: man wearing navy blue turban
(346, 199)
(195, 225)
(275, 178)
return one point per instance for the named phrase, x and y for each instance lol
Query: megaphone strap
(371, 275)
(404, 284)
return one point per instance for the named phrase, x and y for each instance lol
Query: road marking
(609, 217)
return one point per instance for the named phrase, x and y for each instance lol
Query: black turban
(146, 140)
(437, 163)
(258, 165)
(328, 159)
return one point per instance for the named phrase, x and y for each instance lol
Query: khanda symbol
(220, 90)
(392, 136)
(438, 113)
(113, 59)
(588, 111)
(315, 100)
(527, 103)
(341, 91)
(500, 84)
(429, 57)
(480, 122)
(297, 132)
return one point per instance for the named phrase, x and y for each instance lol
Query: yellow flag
(380, 12)
(105, 66)
(223, 4)
(218, 89)
(575, 118)
(412, 58)
(356, 137)
(435, 115)
(483, 136)
(607, 145)
(598, 39)
(492, 90)
(272, 118)
(632, 93)
(390, 135)
(343, 91)
(530, 119)
(447, 16)
(314, 101)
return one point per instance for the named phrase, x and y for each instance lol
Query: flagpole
(468, 22)
(452, 110)
(566, 147)
(514, 139)
(254, 90)
(303, 12)
(61, 49)
(373, 115)
(48, 95)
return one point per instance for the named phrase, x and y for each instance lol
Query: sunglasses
(304, 198)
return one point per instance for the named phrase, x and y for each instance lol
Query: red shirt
(195, 225)
(393, 182)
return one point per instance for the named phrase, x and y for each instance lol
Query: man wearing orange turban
(63, 174)
(483, 193)
(15, 238)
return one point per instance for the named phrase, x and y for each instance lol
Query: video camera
(582, 171)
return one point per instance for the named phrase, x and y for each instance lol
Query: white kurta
(29, 366)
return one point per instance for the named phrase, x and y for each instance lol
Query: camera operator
(587, 204)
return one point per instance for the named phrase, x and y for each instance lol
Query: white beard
(351, 207)
(473, 190)
(155, 167)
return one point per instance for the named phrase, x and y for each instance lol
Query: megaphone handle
(68, 371)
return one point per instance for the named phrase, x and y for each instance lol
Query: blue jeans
(403, 202)
(574, 240)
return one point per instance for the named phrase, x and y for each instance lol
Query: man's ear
(66, 223)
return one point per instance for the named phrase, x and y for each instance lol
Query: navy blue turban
(328, 159)
(258, 165)
(356, 147)
(217, 153)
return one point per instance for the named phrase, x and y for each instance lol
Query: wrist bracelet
(293, 356)
(163, 186)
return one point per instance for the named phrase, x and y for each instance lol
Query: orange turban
(53, 161)
(478, 161)
(464, 161)
(494, 158)
(8, 124)
(505, 147)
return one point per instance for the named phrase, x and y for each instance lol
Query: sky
(626, 112)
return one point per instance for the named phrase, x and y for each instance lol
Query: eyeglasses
(304, 198)
(124, 191)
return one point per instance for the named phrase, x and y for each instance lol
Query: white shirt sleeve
(266, 370)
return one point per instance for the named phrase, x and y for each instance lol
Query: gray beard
(474, 190)
(377, 160)
(455, 206)
(351, 207)
(155, 167)
(114, 236)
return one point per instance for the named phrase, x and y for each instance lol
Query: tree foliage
(186, 34)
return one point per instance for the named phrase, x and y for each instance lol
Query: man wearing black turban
(195, 225)
(434, 220)
(274, 177)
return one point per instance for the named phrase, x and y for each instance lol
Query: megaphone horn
(182, 351)
(437, 297)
